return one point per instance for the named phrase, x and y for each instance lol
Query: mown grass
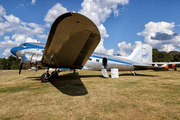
(87, 95)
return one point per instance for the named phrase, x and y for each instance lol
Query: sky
(123, 24)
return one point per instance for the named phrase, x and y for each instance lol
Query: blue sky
(123, 24)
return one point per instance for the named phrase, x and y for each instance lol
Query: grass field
(87, 96)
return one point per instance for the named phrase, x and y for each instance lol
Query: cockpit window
(23, 45)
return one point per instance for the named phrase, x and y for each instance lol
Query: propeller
(20, 68)
(22, 60)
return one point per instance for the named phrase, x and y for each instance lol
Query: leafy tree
(161, 56)
(14, 67)
(10, 62)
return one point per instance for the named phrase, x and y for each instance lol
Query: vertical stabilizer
(136, 55)
(147, 54)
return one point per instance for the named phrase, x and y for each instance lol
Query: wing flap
(72, 39)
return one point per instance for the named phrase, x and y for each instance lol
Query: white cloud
(19, 37)
(123, 46)
(5, 27)
(55, 12)
(28, 39)
(6, 38)
(168, 48)
(22, 31)
(12, 19)
(43, 36)
(98, 11)
(33, 2)
(6, 51)
(8, 43)
(2, 11)
(137, 43)
(33, 29)
(127, 46)
(102, 30)
(160, 35)
(100, 49)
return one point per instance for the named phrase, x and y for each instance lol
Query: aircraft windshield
(22, 45)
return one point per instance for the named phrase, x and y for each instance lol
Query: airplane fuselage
(95, 62)
(98, 60)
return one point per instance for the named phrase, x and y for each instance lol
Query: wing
(72, 39)
(144, 67)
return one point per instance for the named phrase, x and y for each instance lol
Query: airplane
(171, 66)
(70, 44)
(167, 65)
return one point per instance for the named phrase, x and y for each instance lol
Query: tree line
(12, 62)
(161, 56)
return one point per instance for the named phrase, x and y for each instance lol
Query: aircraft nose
(14, 50)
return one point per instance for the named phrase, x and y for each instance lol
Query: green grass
(87, 95)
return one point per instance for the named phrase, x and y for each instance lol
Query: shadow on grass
(130, 74)
(69, 84)
(84, 76)
(35, 78)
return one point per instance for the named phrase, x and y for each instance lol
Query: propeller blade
(20, 67)
(22, 60)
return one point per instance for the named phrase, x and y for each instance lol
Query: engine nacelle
(32, 59)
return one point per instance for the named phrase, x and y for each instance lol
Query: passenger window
(97, 60)
(90, 59)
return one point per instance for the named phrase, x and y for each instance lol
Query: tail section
(136, 55)
(147, 54)
(142, 54)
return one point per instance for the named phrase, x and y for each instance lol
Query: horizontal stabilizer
(165, 63)
(142, 67)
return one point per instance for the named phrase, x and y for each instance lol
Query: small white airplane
(71, 42)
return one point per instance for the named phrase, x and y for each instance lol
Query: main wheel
(44, 77)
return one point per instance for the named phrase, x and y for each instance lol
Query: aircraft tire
(44, 77)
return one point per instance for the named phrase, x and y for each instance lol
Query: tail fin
(147, 54)
(142, 54)
(136, 55)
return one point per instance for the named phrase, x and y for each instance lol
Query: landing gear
(46, 77)
(133, 73)
(175, 69)
(54, 74)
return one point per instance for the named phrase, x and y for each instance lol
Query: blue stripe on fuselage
(111, 60)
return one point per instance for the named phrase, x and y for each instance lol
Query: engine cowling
(32, 59)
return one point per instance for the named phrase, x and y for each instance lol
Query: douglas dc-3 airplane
(70, 44)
